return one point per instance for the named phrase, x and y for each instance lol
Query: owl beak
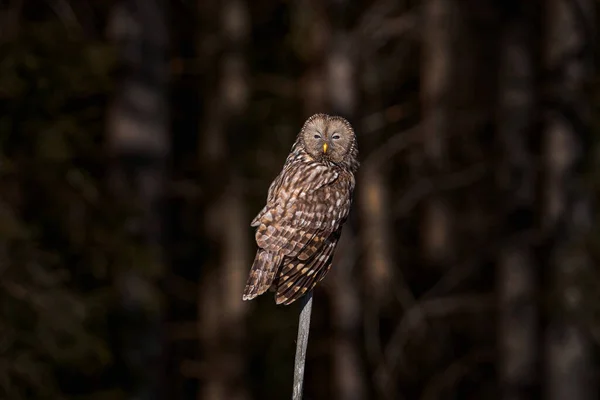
(325, 148)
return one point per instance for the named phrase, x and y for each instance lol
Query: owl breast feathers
(307, 204)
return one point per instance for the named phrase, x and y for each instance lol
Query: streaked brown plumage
(307, 204)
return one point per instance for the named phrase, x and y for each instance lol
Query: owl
(307, 204)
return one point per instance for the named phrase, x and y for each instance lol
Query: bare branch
(301, 345)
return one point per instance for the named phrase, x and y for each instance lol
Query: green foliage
(62, 234)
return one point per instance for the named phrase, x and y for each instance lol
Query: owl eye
(335, 137)
(317, 136)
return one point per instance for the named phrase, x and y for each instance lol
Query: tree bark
(566, 214)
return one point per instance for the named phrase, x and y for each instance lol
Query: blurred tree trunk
(517, 269)
(211, 156)
(343, 99)
(314, 33)
(138, 140)
(435, 96)
(373, 197)
(227, 218)
(234, 217)
(374, 209)
(566, 215)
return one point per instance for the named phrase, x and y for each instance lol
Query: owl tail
(262, 274)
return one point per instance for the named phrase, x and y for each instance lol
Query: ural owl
(307, 204)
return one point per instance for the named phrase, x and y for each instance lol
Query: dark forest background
(138, 139)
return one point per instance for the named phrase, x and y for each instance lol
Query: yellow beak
(324, 148)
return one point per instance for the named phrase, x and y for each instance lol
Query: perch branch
(301, 344)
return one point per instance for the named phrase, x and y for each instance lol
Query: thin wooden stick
(301, 344)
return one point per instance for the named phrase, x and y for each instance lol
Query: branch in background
(462, 271)
(65, 13)
(416, 317)
(377, 26)
(452, 375)
(428, 306)
(394, 145)
(301, 345)
(373, 16)
(389, 29)
(426, 187)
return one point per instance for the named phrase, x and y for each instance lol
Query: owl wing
(298, 277)
(270, 199)
(310, 176)
(308, 203)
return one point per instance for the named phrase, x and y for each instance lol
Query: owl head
(330, 139)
